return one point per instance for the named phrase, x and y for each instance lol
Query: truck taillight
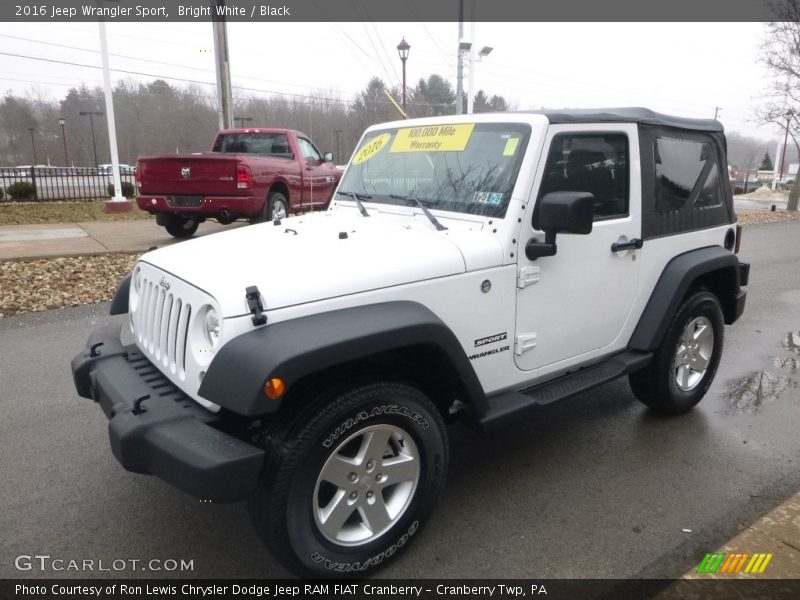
(244, 179)
(137, 176)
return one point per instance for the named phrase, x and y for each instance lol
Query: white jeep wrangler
(472, 267)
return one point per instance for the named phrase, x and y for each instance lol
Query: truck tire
(684, 366)
(278, 206)
(351, 479)
(182, 227)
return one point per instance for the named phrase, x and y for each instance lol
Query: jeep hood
(320, 256)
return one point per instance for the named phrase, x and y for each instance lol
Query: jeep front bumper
(155, 428)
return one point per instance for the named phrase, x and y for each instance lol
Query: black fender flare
(672, 286)
(119, 303)
(298, 347)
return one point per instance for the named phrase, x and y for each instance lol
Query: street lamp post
(788, 116)
(33, 166)
(92, 114)
(62, 121)
(402, 49)
(484, 52)
(242, 120)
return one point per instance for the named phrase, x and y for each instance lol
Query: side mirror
(560, 212)
(328, 157)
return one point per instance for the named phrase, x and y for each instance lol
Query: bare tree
(780, 52)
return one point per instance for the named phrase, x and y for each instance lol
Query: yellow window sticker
(371, 148)
(434, 138)
(511, 147)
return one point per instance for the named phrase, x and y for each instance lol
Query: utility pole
(91, 114)
(338, 156)
(33, 145)
(716, 111)
(460, 69)
(222, 63)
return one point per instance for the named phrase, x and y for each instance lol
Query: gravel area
(765, 216)
(44, 284)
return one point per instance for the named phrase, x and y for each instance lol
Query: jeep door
(576, 304)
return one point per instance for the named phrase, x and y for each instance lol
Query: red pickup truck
(257, 174)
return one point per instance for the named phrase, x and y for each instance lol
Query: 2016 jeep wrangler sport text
(473, 267)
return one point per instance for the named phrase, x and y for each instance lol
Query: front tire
(684, 366)
(350, 480)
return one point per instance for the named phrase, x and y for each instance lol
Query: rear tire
(278, 206)
(350, 479)
(182, 227)
(685, 364)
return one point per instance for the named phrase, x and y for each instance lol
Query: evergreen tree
(766, 164)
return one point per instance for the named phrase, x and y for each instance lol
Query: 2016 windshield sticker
(371, 148)
(436, 138)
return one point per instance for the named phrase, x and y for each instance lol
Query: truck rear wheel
(350, 480)
(278, 206)
(182, 227)
(684, 366)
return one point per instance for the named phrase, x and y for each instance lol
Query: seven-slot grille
(162, 326)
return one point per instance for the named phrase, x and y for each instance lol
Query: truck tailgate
(203, 174)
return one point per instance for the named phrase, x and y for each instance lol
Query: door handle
(633, 244)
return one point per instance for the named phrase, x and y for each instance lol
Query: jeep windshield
(459, 167)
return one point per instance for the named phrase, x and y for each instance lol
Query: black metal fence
(61, 183)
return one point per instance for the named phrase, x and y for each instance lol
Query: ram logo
(186, 172)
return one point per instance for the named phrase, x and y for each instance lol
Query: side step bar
(507, 407)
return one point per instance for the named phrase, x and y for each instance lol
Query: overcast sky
(686, 69)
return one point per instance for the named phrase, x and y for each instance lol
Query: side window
(308, 150)
(686, 174)
(590, 162)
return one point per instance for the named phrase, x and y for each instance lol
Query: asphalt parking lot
(594, 487)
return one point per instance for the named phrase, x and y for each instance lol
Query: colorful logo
(734, 562)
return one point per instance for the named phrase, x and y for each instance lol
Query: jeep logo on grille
(186, 172)
(164, 283)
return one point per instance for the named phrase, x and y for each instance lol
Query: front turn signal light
(274, 388)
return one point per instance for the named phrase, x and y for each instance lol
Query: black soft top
(628, 115)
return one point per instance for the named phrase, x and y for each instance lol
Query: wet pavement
(592, 487)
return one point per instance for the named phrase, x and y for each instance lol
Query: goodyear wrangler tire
(684, 366)
(350, 481)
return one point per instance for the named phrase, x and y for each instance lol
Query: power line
(238, 87)
(147, 60)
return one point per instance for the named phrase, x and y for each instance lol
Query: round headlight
(212, 327)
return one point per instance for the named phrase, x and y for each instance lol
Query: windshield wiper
(425, 211)
(357, 198)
